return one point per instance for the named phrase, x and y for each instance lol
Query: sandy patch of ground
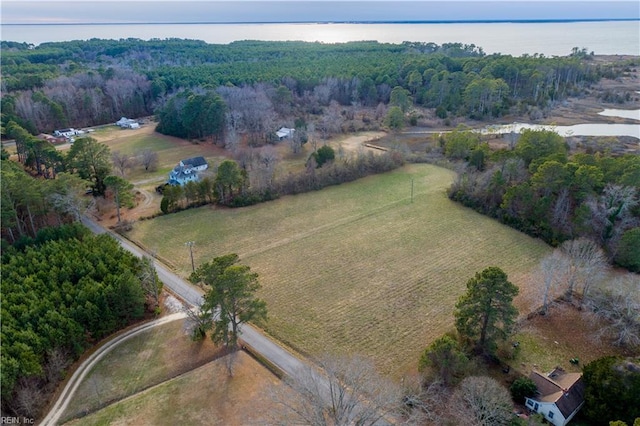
(353, 144)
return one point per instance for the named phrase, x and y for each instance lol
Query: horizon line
(328, 22)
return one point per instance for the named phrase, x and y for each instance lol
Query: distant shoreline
(467, 21)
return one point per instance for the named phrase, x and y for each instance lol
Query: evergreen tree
(612, 390)
(485, 313)
(231, 294)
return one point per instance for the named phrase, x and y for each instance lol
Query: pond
(587, 129)
(595, 129)
(633, 114)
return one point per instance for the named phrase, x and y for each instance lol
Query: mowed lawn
(170, 149)
(355, 268)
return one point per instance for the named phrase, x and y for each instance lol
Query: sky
(154, 11)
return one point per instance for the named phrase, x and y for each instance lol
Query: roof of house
(285, 132)
(180, 174)
(194, 162)
(564, 389)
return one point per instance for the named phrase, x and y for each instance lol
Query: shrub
(323, 155)
(521, 388)
(628, 255)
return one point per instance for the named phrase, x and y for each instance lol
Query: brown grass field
(356, 268)
(205, 395)
(145, 360)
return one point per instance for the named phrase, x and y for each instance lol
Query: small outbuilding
(285, 133)
(559, 397)
(67, 133)
(127, 123)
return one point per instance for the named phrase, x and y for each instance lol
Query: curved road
(78, 376)
(190, 294)
(267, 348)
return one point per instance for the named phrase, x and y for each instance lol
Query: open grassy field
(205, 395)
(145, 360)
(170, 150)
(356, 267)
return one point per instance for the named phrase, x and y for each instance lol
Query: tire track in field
(319, 229)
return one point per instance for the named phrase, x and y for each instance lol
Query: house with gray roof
(187, 171)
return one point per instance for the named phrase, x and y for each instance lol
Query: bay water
(512, 38)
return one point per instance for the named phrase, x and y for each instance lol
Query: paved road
(266, 347)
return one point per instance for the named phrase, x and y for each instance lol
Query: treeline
(61, 292)
(538, 188)
(80, 83)
(234, 185)
(57, 195)
(29, 205)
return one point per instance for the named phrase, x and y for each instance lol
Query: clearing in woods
(358, 267)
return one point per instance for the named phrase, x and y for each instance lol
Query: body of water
(633, 114)
(548, 38)
(587, 129)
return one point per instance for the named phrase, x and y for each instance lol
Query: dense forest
(540, 188)
(263, 85)
(62, 291)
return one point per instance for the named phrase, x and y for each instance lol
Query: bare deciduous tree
(198, 321)
(481, 401)
(267, 160)
(28, 397)
(121, 162)
(423, 403)
(149, 280)
(331, 121)
(553, 269)
(586, 263)
(561, 212)
(66, 195)
(148, 159)
(345, 391)
(57, 360)
(231, 140)
(620, 308)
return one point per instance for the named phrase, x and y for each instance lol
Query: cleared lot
(356, 267)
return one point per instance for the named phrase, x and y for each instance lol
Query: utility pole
(412, 190)
(190, 245)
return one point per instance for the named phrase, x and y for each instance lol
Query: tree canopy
(485, 313)
(82, 83)
(445, 359)
(612, 390)
(91, 160)
(62, 292)
(230, 297)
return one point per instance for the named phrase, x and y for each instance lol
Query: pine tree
(485, 314)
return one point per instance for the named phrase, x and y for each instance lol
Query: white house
(187, 171)
(559, 397)
(127, 123)
(285, 133)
